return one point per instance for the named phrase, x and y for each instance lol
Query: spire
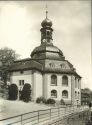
(46, 11)
(46, 22)
(46, 30)
(46, 14)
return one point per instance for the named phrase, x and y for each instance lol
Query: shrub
(13, 92)
(50, 101)
(62, 102)
(26, 92)
(40, 100)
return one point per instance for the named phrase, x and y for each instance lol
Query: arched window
(65, 94)
(48, 33)
(76, 82)
(65, 81)
(54, 94)
(78, 95)
(75, 94)
(54, 80)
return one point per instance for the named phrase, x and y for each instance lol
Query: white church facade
(47, 71)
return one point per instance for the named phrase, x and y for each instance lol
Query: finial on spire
(46, 11)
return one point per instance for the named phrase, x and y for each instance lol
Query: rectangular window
(21, 82)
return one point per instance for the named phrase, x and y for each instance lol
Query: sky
(20, 23)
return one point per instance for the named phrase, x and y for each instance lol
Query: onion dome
(47, 50)
(46, 23)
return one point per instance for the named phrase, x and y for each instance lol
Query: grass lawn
(14, 108)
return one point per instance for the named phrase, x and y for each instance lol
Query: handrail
(41, 114)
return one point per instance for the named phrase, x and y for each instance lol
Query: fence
(37, 117)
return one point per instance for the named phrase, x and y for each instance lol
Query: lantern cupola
(46, 31)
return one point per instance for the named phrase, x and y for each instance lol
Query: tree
(7, 57)
(2, 89)
(62, 102)
(86, 96)
(13, 92)
(26, 92)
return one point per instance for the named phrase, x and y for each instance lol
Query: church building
(47, 71)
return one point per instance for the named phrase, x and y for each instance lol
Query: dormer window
(62, 66)
(52, 65)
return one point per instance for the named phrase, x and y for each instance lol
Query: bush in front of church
(50, 101)
(13, 92)
(62, 102)
(40, 100)
(26, 92)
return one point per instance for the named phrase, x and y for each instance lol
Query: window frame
(78, 83)
(65, 95)
(64, 83)
(53, 80)
(21, 82)
(53, 93)
(75, 94)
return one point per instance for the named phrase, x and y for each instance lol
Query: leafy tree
(2, 89)
(86, 96)
(13, 92)
(26, 92)
(7, 57)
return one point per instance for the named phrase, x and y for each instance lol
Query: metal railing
(37, 117)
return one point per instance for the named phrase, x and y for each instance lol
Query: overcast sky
(20, 30)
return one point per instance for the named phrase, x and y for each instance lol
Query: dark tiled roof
(54, 52)
(62, 71)
(45, 48)
(25, 64)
